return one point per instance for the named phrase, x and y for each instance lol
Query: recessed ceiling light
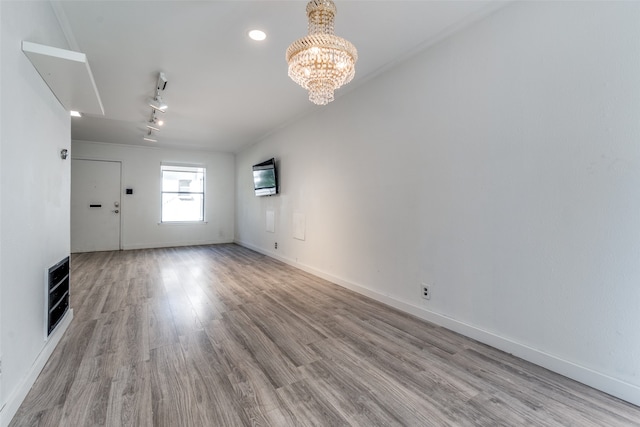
(257, 35)
(75, 114)
(146, 138)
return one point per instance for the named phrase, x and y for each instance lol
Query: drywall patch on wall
(299, 225)
(270, 221)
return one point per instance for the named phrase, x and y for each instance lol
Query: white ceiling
(224, 90)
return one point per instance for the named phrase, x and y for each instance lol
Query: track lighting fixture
(148, 137)
(155, 120)
(154, 123)
(157, 104)
(162, 82)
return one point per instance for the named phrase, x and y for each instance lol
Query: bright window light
(182, 193)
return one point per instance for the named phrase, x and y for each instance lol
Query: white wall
(502, 167)
(140, 212)
(1, 399)
(34, 197)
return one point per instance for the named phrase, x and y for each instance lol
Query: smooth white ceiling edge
(68, 75)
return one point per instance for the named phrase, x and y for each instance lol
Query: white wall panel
(34, 197)
(501, 167)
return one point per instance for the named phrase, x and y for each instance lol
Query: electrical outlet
(275, 246)
(426, 291)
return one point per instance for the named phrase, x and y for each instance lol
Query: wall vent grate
(57, 294)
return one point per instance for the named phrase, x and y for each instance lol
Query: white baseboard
(613, 386)
(17, 396)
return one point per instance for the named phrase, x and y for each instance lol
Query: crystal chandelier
(321, 62)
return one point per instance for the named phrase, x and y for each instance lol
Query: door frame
(94, 159)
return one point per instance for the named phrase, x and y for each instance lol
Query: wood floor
(223, 336)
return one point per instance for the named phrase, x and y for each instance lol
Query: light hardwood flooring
(223, 336)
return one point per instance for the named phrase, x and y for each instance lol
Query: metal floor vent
(57, 294)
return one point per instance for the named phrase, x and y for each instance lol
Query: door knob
(116, 204)
(116, 211)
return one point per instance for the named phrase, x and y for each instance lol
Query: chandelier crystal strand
(321, 62)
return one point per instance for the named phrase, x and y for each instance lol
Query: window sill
(183, 223)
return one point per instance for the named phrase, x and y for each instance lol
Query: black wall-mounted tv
(265, 178)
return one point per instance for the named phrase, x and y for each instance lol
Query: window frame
(177, 167)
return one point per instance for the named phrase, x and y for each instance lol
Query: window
(182, 193)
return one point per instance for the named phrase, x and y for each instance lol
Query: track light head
(162, 82)
(149, 135)
(157, 104)
(155, 121)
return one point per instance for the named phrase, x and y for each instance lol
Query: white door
(95, 205)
